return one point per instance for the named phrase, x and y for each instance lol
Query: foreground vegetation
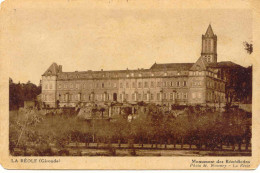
(209, 129)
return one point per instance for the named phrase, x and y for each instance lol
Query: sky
(82, 38)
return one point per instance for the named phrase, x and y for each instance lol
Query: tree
(239, 84)
(248, 47)
(18, 93)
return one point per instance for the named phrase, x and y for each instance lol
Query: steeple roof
(209, 31)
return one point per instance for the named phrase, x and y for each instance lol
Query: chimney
(60, 68)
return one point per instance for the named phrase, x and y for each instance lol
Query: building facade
(164, 84)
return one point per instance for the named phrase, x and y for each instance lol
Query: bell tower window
(209, 46)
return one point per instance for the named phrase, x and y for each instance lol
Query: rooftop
(175, 66)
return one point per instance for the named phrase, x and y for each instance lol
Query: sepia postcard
(130, 84)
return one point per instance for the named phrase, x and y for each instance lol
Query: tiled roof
(52, 70)
(225, 64)
(175, 66)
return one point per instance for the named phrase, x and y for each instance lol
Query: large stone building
(165, 84)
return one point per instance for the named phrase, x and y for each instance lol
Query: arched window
(208, 46)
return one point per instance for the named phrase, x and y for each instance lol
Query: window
(126, 97)
(193, 95)
(145, 96)
(171, 96)
(103, 85)
(152, 97)
(77, 86)
(121, 85)
(178, 84)
(146, 84)
(139, 84)
(199, 95)
(164, 84)
(120, 96)
(139, 96)
(165, 96)
(178, 95)
(133, 85)
(133, 96)
(184, 83)
(158, 84)
(50, 86)
(152, 84)
(59, 86)
(165, 74)
(114, 85)
(127, 85)
(158, 96)
(185, 95)
(65, 86)
(206, 45)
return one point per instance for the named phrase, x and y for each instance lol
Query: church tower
(209, 46)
